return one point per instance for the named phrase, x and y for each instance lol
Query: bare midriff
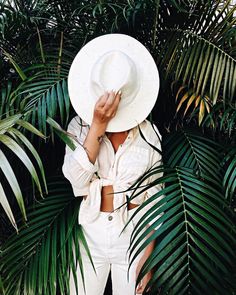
(107, 200)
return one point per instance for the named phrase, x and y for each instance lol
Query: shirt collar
(131, 134)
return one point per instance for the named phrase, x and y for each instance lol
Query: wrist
(99, 127)
(98, 131)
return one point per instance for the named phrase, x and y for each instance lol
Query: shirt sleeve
(156, 160)
(77, 167)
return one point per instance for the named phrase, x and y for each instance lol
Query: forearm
(92, 141)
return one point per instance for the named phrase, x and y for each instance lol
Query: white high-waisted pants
(109, 253)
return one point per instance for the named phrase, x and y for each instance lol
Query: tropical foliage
(35, 259)
(193, 44)
(197, 237)
(13, 139)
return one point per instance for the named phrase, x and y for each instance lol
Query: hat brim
(79, 78)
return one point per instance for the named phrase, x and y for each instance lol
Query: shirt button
(110, 217)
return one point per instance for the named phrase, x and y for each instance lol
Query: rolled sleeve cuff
(90, 207)
(78, 192)
(81, 157)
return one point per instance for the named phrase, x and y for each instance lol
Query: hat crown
(114, 70)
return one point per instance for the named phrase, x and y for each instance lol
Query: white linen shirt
(120, 169)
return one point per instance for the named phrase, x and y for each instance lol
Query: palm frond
(200, 104)
(195, 244)
(223, 118)
(16, 142)
(229, 180)
(5, 103)
(195, 57)
(62, 134)
(44, 93)
(40, 258)
(188, 148)
(215, 68)
(8, 17)
(1, 287)
(16, 66)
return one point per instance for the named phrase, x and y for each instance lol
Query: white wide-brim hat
(114, 62)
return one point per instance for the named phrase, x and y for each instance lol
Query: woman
(110, 156)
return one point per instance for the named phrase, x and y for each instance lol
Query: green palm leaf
(229, 180)
(14, 140)
(5, 107)
(6, 206)
(63, 134)
(188, 148)
(39, 259)
(194, 56)
(44, 93)
(16, 66)
(1, 287)
(210, 71)
(223, 118)
(195, 244)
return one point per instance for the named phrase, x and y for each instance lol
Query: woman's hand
(106, 107)
(142, 284)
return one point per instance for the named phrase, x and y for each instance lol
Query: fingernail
(119, 92)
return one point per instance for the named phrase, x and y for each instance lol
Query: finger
(111, 114)
(116, 101)
(109, 101)
(113, 108)
(102, 99)
(139, 289)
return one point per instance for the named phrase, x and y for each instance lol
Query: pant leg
(109, 250)
(95, 283)
(96, 237)
(122, 281)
